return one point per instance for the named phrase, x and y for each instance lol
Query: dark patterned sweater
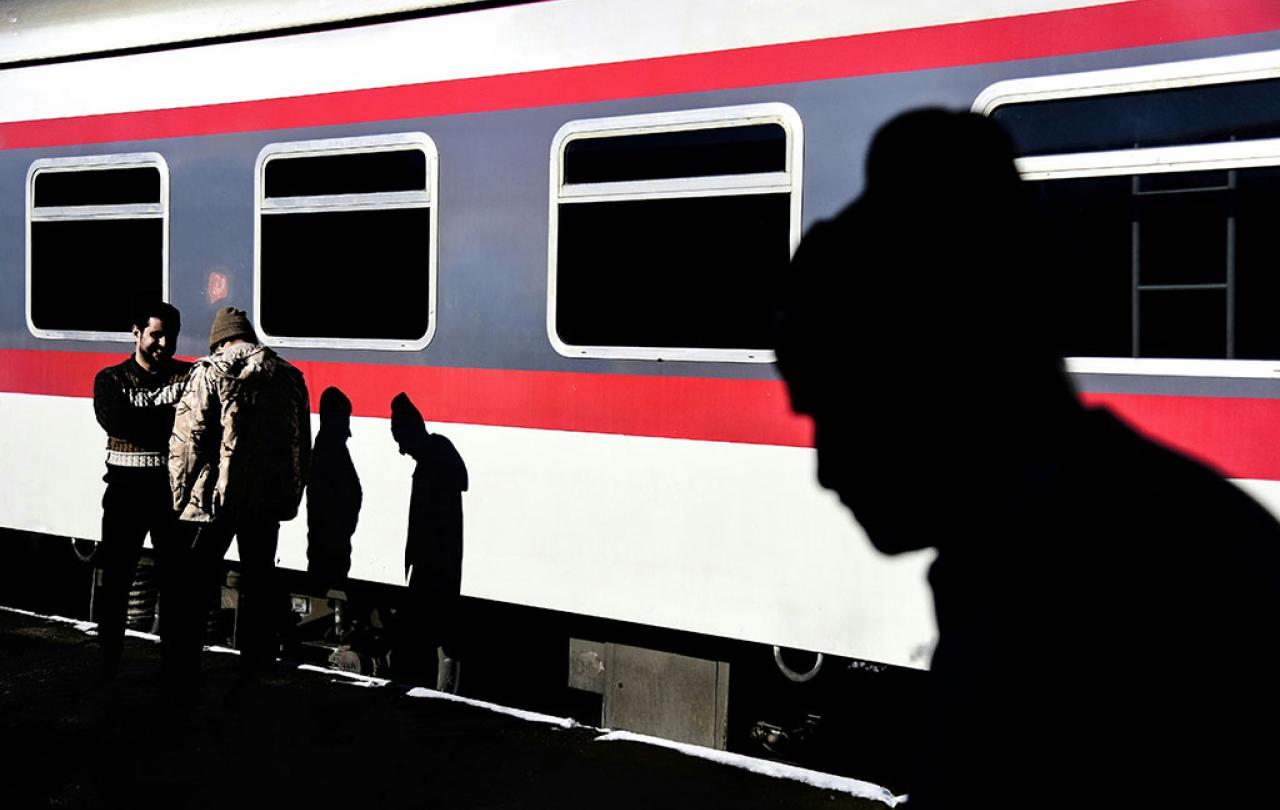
(135, 407)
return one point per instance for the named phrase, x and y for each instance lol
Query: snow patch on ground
(355, 678)
(535, 717)
(80, 624)
(778, 770)
(88, 628)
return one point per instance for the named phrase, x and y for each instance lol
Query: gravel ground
(316, 739)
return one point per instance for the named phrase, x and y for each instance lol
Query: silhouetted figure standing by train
(238, 461)
(134, 401)
(333, 506)
(431, 622)
(1106, 606)
(333, 495)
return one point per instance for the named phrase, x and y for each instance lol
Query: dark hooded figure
(333, 495)
(433, 548)
(1106, 607)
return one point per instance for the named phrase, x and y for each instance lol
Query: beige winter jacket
(241, 443)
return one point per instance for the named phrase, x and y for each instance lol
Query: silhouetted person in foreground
(431, 622)
(333, 495)
(1106, 606)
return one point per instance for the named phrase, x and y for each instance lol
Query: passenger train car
(559, 227)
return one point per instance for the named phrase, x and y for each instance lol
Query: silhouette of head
(335, 411)
(910, 335)
(407, 425)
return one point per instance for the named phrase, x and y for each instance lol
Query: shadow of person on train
(1104, 604)
(430, 626)
(333, 506)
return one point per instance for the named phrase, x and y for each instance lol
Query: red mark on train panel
(218, 288)
(1054, 33)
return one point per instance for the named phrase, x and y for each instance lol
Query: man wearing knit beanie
(238, 462)
(230, 323)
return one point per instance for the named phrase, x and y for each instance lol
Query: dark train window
(1171, 265)
(671, 273)
(97, 241)
(1160, 187)
(683, 153)
(97, 187)
(346, 242)
(1206, 113)
(671, 231)
(326, 282)
(360, 173)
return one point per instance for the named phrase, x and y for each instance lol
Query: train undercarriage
(830, 713)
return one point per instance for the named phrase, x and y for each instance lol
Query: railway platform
(310, 737)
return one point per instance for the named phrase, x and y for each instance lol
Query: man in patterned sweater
(134, 402)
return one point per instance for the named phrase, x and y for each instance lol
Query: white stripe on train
(538, 36)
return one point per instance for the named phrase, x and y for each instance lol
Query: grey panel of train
(493, 211)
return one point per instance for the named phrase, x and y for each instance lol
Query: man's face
(154, 345)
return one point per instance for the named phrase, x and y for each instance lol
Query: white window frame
(376, 201)
(1153, 160)
(73, 213)
(788, 180)
(1164, 76)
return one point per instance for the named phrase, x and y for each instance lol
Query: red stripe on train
(750, 411)
(1055, 33)
(747, 411)
(1239, 436)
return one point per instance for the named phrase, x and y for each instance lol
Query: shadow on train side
(430, 624)
(1104, 604)
(334, 498)
(418, 634)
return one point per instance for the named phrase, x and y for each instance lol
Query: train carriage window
(97, 240)
(1160, 195)
(1206, 113)
(1173, 265)
(669, 232)
(346, 242)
